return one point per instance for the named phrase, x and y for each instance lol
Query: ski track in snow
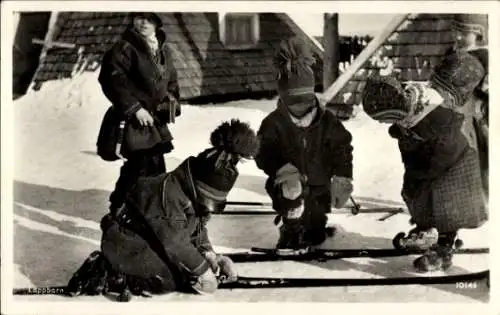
(78, 222)
(61, 188)
(33, 225)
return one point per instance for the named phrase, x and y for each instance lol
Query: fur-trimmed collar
(136, 40)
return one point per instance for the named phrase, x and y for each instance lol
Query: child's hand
(144, 117)
(341, 190)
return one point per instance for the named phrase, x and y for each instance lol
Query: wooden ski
(258, 254)
(261, 283)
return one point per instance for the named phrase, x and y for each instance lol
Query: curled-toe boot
(439, 257)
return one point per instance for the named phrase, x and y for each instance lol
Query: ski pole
(355, 210)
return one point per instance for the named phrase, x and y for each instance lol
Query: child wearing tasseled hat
(305, 151)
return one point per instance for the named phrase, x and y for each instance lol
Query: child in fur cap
(158, 241)
(442, 181)
(139, 78)
(305, 151)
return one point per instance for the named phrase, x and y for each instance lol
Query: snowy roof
(205, 67)
(411, 52)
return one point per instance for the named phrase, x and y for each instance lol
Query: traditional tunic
(442, 182)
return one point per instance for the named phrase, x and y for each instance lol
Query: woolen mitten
(295, 213)
(206, 283)
(227, 268)
(212, 259)
(341, 190)
(287, 173)
(288, 178)
(291, 189)
(288, 190)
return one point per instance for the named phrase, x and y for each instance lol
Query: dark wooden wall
(25, 54)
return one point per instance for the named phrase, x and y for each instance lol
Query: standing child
(305, 151)
(442, 181)
(139, 79)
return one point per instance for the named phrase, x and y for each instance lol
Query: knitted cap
(477, 23)
(214, 170)
(153, 17)
(295, 77)
(384, 98)
(211, 181)
(457, 75)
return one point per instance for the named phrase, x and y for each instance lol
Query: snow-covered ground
(61, 188)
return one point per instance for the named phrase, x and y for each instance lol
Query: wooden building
(411, 51)
(25, 54)
(216, 55)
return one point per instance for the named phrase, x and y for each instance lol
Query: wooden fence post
(331, 46)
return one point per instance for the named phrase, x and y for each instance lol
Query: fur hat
(457, 75)
(214, 170)
(476, 23)
(385, 98)
(295, 77)
(153, 17)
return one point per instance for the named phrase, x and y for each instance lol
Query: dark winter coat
(319, 151)
(132, 77)
(442, 182)
(166, 204)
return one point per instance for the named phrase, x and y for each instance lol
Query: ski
(270, 254)
(389, 210)
(262, 283)
(266, 282)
